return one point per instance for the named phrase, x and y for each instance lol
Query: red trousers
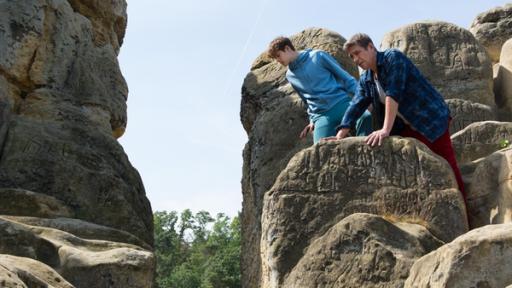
(442, 147)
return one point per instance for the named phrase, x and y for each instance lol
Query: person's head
(282, 50)
(361, 49)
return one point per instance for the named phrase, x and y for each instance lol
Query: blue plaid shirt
(418, 101)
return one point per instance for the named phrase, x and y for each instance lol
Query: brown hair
(279, 44)
(359, 39)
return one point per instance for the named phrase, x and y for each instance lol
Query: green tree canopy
(197, 250)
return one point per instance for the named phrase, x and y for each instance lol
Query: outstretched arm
(359, 104)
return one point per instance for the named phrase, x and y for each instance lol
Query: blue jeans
(325, 124)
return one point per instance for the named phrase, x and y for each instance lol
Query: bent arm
(358, 105)
(344, 78)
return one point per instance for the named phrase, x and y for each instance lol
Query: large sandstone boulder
(108, 19)
(480, 140)
(64, 101)
(26, 203)
(480, 258)
(74, 203)
(488, 184)
(503, 83)
(20, 272)
(465, 112)
(49, 56)
(82, 167)
(82, 229)
(273, 116)
(83, 263)
(362, 250)
(449, 56)
(492, 28)
(323, 184)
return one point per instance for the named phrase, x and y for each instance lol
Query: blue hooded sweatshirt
(320, 81)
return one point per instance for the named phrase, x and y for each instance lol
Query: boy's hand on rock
(342, 133)
(309, 128)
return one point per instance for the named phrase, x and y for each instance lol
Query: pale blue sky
(185, 62)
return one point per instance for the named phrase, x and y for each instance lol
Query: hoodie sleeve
(303, 100)
(358, 105)
(348, 82)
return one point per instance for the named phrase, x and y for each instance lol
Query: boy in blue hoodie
(322, 84)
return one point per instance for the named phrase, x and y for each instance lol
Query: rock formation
(323, 184)
(273, 116)
(362, 250)
(342, 214)
(488, 183)
(20, 272)
(480, 140)
(84, 263)
(503, 83)
(465, 112)
(480, 258)
(492, 28)
(68, 190)
(449, 56)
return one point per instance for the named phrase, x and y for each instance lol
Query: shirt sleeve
(349, 83)
(396, 68)
(358, 105)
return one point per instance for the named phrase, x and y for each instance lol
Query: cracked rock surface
(62, 108)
